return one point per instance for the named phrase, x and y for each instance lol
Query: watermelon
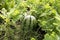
(29, 22)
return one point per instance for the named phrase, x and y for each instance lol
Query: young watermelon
(29, 22)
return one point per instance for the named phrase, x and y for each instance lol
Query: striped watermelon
(29, 22)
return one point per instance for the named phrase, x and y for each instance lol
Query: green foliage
(16, 25)
(51, 36)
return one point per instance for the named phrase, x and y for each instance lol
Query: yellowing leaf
(52, 1)
(47, 6)
(23, 4)
(58, 18)
(2, 16)
(54, 11)
(44, 22)
(32, 38)
(16, 12)
(7, 20)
